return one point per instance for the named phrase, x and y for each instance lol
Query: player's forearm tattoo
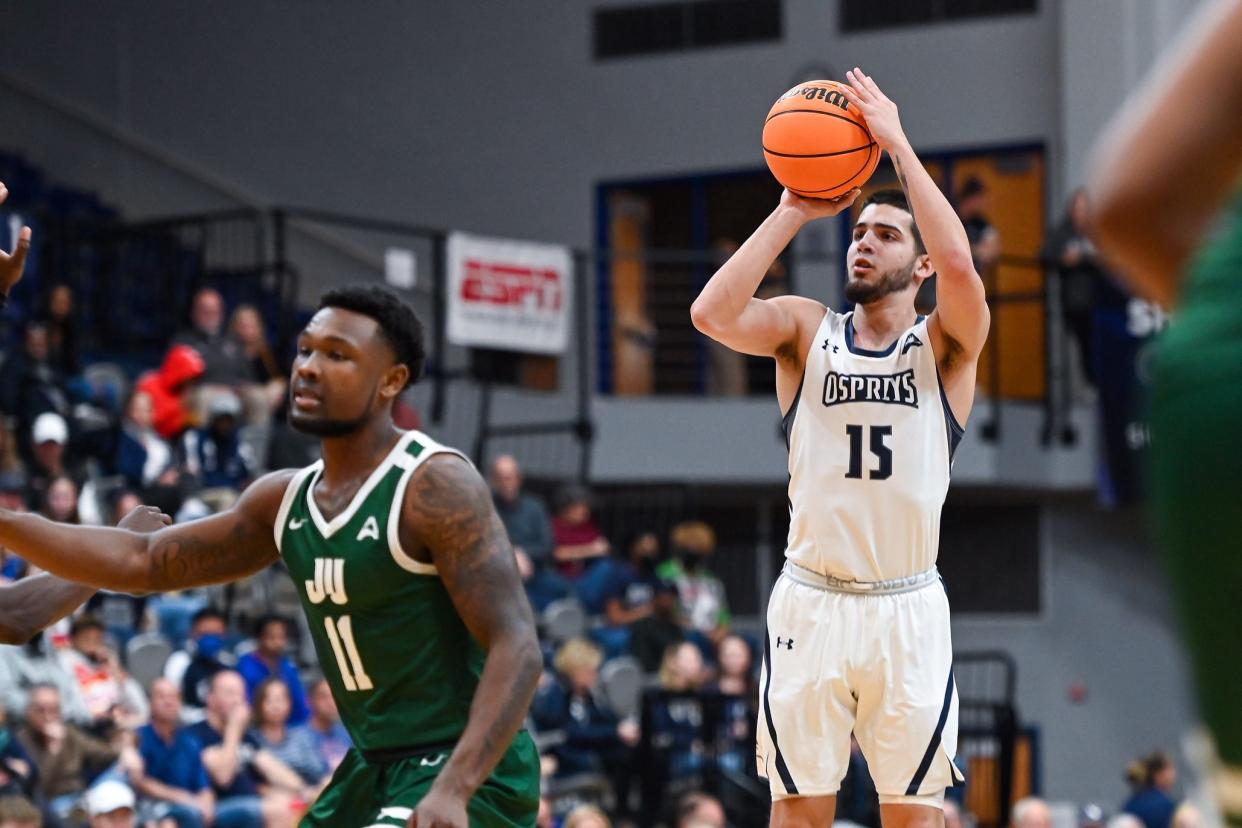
(186, 560)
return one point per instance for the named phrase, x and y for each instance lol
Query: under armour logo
(912, 341)
(824, 347)
(430, 762)
(296, 523)
(787, 643)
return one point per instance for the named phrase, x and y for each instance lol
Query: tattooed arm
(35, 602)
(220, 548)
(448, 512)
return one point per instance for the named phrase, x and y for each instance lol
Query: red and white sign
(510, 295)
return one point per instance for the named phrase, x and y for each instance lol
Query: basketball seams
(819, 154)
(861, 170)
(817, 165)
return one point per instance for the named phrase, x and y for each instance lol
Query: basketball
(816, 144)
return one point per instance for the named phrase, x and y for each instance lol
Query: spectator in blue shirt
(529, 528)
(1152, 779)
(253, 788)
(332, 740)
(631, 595)
(172, 777)
(215, 454)
(269, 659)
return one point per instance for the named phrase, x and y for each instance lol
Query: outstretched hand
(12, 264)
(145, 519)
(879, 112)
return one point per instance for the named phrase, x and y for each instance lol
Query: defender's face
(338, 373)
(882, 255)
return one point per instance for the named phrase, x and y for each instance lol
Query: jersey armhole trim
(408, 464)
(952, 427)
(286, 502)
(787, 421)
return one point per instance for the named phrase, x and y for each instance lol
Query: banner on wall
(509, 295)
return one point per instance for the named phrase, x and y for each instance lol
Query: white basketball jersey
(871, 440)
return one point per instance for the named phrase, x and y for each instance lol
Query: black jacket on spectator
(589, 729)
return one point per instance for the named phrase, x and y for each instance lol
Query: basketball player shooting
(402, 566)
(874, 401)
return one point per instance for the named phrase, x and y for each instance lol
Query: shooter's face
(882, 257)
(341, 374)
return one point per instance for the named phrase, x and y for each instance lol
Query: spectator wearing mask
(252, 787)
(111, 804)
(650, 637)
(264, 384)
(631, 594)
(331, 739)
(215, 455)
(1152, 781)
(170, 388)
(269, 658)
(294, 746)
(170, 774)
(205, 653)
(113, 700)
(530, 532)
(703, 602)
(65, 756)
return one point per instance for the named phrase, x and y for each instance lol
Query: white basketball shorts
(878, 664)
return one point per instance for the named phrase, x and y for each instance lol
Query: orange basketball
(816, 143)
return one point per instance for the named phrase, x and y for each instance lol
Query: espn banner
(509, 295)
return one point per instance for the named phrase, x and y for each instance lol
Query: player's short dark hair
(398, 323)
(897, 198)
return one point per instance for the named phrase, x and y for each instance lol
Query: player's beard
(327, 427)
(863, 292)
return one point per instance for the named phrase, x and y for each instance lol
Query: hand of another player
(439, 810)
(145, 519)
(817, 208)
(879, 112)
(11, 264)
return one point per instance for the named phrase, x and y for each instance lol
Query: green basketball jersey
(402, 666)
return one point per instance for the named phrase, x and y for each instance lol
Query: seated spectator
(331, 739)
(50, 435)
(1152, 779)
(62, 331)
(113, 700)
(595, 740)
(205, 654)
(224, 360)
(586, 816)
(263, 385)
(111, 804)
(215, 456)
(60, 501)
(1031, 812)
(631, 595)
(530, 531)
(252, 787)
(294, 746)
(700, 810)
(19, 812)
(739, 707)
(677, 725)
(17, 770)
(169, 388)
(650, 637)
(30, 385)
(269, 658)
(143, 457)
(577, 541)
(703, 601)
(65, 757)
(26, 666)
(170, 775)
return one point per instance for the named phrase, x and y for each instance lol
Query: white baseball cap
(50, 426)
(107, 797)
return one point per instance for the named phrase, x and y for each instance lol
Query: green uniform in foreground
(402, 666)
(1196, 479)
